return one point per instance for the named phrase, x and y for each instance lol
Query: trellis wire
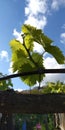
(39, 71)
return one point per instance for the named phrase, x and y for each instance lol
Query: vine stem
(29, 52)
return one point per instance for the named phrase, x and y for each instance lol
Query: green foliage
(16, 45)
(29, 42)
(51, 87)
(46, 121)
(36, 35)
(56, 52)
(28, 67)
(25, 59)
(5, 84)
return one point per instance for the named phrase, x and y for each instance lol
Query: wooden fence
(15, 102)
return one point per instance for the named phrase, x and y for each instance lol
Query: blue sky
(44, 14)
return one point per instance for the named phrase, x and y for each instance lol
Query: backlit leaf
(26, 60)
(38, 59)
(56, 53)
(16, 45)
(37, 35)
(29, 42)
(30, 79)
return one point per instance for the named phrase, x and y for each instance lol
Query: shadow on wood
(16, 102)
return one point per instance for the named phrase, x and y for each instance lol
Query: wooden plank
(15, 102)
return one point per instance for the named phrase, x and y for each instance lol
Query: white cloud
(62, 36)
(10, 70)
(4, 55)
(53, 78)
(35, 7)
(56, 4)
(38, 48)
(18, 89)
(36, 21)
(35, 11)
(50, 63)
(63, 27)
(17, 35)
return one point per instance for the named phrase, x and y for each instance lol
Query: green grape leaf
(56, 53)
(32, 31)
(29, 42)
(27, 29)
(38, 58)
(24, 64)
(16, 45)
(45, 41)
(26, 60)
(18, 59)
(37, 35)
(30, 79)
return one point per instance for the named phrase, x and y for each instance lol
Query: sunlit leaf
(45, 41)
(38, 59)
(29, 42)
(57, 87)
(56, 53)
(18, 58)
(26, 60)
(37, 35)
(30, 79)
(16, 45)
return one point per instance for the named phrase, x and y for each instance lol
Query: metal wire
(40, 71)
